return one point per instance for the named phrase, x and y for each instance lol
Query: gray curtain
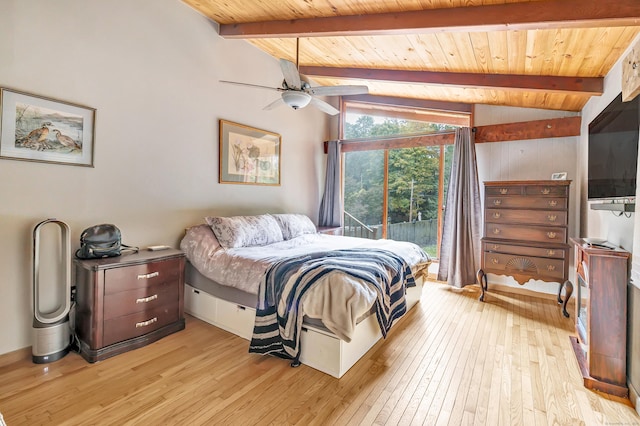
(330, 208)
(462, 228)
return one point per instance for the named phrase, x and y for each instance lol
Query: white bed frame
(320, 349)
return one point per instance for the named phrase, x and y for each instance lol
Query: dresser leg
(560, 293)
(568, 285)
(483, 286)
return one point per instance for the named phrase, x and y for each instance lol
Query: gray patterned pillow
(294, 225)
(245, 231)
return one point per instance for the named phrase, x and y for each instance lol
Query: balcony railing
(354, 228)
(423, 232)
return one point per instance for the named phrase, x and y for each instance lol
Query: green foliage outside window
(413, 173)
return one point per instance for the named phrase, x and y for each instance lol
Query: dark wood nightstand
(330, 230)
(129, 301)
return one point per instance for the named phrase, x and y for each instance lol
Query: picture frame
(247, 155)
(559, 176)
(46, 130)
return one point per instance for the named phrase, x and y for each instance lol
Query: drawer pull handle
(147, 299)
(553, 203)
(552, 217)
(545, 191)
(551, 234)
(147, 322)
(149, 275)
(497, 202)
(551, 252)
(494, 261)
(496, 231)
(496, 215)
(504, 191)
(496, 247)
(551, 268)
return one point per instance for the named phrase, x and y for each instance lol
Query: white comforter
(244, 268)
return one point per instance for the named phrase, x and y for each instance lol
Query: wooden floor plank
(451, 360)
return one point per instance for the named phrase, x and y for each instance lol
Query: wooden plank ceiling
(550, 54)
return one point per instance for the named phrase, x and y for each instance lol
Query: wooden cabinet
(525, 232)
(126, 302)
(601, 316)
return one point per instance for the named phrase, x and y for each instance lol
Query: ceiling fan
(297, 92)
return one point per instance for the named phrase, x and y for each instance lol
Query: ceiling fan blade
(274, 104)
(291, 74)
(250, 85)
(323, 106)
(339, 90)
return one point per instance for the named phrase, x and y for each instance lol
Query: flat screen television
(613, 151)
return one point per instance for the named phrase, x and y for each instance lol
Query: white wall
(533, 159)
(151, 69)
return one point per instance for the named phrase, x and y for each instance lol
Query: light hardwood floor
(451, 360)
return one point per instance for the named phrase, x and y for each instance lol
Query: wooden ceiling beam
(411, 103)
(590, 86)
(547, 14)
(538, 129)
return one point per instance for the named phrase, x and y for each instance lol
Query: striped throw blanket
(279, 313)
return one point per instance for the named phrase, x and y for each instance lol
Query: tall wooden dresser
(525, 232)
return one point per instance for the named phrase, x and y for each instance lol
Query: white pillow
(199, 242)
(294, 225)
(245, 231)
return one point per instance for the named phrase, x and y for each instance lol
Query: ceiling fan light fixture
(296, 100)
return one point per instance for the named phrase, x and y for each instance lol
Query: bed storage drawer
(235, 318)
(199, 304)
(228, 316)
(325, 352)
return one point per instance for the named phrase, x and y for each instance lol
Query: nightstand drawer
(140, 299)
(128, 326)
(141, 276)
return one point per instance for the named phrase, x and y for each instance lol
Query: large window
(396, 192)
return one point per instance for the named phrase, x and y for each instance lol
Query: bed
(341, 314)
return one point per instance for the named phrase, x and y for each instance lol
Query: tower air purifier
(51, 292)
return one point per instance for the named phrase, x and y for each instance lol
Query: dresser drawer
(139, 323)
(548, 203)
(141, 276)
(140, 299)
(546, 191)
(532, 217)
(528, 265)
(504, 190)
(523, 250)
(544, 234)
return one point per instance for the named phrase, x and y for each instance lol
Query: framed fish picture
(35, 128)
